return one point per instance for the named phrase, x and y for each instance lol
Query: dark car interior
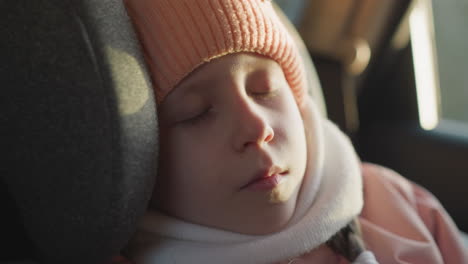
(79, 133)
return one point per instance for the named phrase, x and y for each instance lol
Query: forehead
(226, 71)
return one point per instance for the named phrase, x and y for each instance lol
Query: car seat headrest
(79, 130)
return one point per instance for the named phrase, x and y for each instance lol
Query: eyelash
(198, 118)
(205, 113)
(265, 95)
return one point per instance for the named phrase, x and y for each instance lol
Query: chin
(281, 207)
(260, 222)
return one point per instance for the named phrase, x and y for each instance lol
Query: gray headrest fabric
(78, 127)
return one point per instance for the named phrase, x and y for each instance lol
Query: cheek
(292, 125)
(291, 122)
(187, 158)
(182, 174)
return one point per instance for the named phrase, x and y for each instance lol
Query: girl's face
(233, 147)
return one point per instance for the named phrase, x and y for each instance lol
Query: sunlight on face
(283, 192)
(233, 148)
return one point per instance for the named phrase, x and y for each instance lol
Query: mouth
(267, 179)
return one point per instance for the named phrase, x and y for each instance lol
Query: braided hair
(348, 241)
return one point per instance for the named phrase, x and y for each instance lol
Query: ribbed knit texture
(180, 35)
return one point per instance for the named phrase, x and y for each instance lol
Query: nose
(252, 128)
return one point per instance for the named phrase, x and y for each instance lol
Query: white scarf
(330, 197)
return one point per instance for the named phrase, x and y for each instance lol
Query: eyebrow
(194, 86)
(181, 93)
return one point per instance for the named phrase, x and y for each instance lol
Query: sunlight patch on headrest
(129, 80)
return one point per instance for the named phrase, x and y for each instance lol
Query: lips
(266, 179)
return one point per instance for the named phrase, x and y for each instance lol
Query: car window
(451, 38)
(440, 60)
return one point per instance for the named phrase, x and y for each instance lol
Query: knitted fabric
(180, 35)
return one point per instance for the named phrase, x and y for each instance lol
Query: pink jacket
(402, 223)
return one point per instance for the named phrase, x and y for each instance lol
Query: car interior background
(79, 127)
(365, 55)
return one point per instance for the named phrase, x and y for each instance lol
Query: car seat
(79, 130)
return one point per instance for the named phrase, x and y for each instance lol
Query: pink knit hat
(180, 35)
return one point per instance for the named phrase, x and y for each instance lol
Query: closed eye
(201, 116)
(265, 95)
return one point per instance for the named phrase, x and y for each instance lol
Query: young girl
(249, 171)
